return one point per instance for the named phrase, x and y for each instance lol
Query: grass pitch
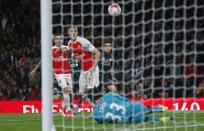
(183, 121)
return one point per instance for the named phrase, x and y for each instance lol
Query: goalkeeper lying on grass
(114, 108)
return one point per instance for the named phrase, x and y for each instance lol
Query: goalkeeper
(114, 108)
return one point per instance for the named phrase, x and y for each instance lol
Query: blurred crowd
(20, 49)
(157, 53)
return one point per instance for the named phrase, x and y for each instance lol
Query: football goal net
(157, 54)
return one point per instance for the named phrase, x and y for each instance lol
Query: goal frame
(46, 64)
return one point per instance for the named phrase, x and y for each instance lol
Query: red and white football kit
(61, 67)
(82, 50)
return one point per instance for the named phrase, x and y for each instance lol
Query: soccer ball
(114, 9)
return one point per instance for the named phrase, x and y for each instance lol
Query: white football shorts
(88, 80)
(64, 80)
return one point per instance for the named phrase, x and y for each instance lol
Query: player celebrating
(84, 52)
(62, 72)
(106, 67)
(114, 108)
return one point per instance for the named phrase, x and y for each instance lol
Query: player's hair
(56, 34)
(108, 40)
(106, 84)
(73, 26)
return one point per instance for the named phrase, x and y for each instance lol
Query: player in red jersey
(62, 72)
(88, 56)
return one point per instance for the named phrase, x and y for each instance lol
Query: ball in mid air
(114, 9)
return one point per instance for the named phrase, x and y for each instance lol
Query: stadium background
(20, 46)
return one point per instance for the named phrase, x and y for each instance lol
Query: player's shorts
(88, 80)
(64, 80)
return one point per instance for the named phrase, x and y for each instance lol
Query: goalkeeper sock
(151, 119)
(154, 109)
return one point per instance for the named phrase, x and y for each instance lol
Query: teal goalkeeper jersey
(118, 109)
(113, 108)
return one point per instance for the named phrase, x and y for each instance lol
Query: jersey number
(117, 107)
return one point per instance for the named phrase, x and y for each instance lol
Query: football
(114, 9)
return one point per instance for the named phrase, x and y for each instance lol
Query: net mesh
(157, 49)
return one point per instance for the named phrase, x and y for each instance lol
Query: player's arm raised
(33, 72)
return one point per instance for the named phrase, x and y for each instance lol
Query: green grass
(183, 121)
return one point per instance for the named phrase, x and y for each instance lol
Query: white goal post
(46, 64)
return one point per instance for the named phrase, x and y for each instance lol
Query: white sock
(66, 101)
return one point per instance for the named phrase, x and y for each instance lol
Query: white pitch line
(164, 127)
